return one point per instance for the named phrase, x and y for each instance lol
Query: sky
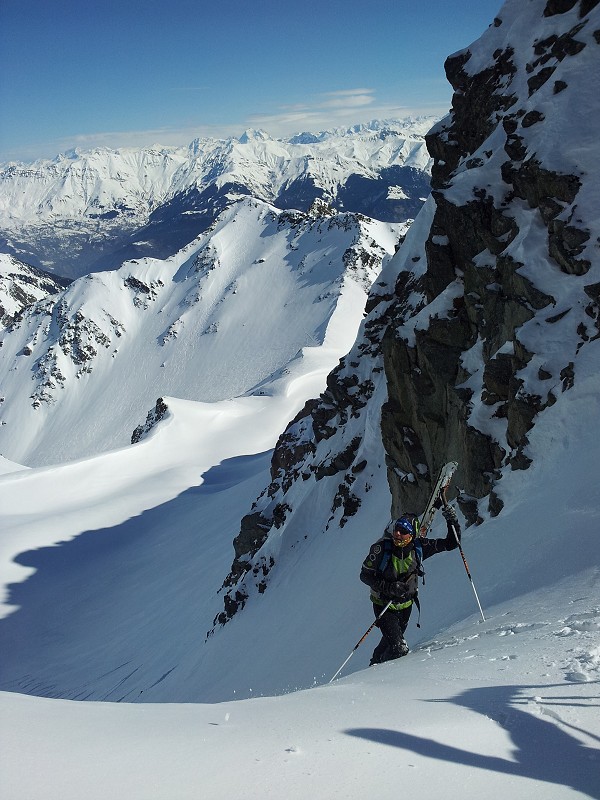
(166, 71)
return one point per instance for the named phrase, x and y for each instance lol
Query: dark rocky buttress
(505, 276)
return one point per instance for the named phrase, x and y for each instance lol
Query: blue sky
(137, 72)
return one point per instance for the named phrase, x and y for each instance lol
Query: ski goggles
(402, 537)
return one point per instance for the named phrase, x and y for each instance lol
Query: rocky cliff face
(512, 233)
(475, 327)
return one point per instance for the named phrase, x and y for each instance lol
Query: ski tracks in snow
(569, 642)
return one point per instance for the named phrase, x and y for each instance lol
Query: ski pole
(361, 640)
(462, 553)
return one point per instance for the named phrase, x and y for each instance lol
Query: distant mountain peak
(253, 135)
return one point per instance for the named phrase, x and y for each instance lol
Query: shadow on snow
(544, 751)
(115, 610)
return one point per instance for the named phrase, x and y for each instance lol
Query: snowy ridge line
(88, 211)
(194, 326)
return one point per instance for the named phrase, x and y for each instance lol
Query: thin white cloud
(345, 98)
(338, 109)
(342, 108)
(115, 140)
(347, 92)
(348, 101)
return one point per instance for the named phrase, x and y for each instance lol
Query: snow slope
(470, 717)
(490, 711)
(217, 320)
(501, 707)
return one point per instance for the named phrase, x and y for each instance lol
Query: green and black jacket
(387, 562)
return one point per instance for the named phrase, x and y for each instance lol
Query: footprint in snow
(585, 666)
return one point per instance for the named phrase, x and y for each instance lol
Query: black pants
(392, 626)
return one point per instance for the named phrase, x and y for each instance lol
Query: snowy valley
(183, 601)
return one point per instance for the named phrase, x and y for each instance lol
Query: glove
(449, 515)
(396, 590)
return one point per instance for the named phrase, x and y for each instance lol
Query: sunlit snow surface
(509, 705)
(254, 298)
(112, 567)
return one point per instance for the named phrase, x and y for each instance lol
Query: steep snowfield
(221, 318)
(501, 707)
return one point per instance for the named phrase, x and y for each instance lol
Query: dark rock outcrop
(155, 415)
(466, 333)
(21, 285)
(428, 415)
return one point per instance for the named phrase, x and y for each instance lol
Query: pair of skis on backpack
(437, 496)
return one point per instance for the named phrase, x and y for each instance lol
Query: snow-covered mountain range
(216, 559)
(221, 318)
(88, 211)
